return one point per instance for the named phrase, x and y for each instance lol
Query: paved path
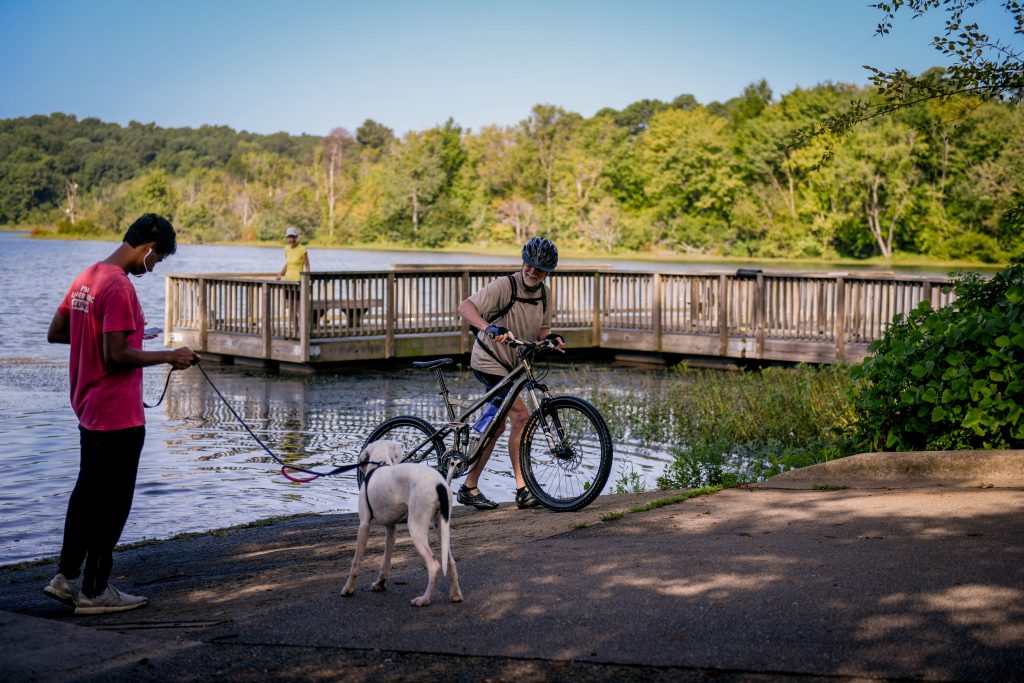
(914, 571)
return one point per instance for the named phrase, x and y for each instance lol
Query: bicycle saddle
(432, 363)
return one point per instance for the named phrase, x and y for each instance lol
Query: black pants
(99, 504)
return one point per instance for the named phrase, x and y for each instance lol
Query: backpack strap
(503, 311)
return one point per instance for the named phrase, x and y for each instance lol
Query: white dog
(392, 490)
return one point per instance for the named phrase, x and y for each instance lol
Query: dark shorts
(490, 381)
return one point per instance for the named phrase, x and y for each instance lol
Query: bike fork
(536, 405)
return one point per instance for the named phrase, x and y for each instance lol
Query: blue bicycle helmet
(541, 253)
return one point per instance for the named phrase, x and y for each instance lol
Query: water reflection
(201, 469)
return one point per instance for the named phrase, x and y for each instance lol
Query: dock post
(304, 315)
(723, 315)
(204, 324)
(840, 327)
(656, 309)
(267, 326)
(464, 293)
(169, 307)
(760, 314)
(390, 317)
(596, 339)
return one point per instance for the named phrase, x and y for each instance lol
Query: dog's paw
(378, 586)
(457, 597)
(421, 601)
(348, 591)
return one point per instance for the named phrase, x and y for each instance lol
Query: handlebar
(538, 345)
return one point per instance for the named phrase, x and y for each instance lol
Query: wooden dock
(336, 317)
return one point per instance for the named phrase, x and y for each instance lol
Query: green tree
(582, 183)
(374, 138)
(877, 172)
(686, 159)
(335, 151)
(547, 133)
(416, 175)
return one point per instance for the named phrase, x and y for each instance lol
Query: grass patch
(28, 564)
(687, 495)
(654, 504)
(628, 482)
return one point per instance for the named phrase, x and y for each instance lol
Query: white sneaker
(63, 590)
(110, 600)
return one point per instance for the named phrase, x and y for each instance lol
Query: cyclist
(514, 306)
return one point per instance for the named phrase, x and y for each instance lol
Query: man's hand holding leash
(183, 358)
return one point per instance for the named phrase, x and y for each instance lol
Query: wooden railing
(412, 312)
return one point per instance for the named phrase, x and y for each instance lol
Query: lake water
(200, 469)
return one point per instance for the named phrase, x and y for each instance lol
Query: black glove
(493, 331)
(555, 339)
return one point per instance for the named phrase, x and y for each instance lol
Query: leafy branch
(982, 70)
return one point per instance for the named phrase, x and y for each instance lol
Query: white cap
(291, 232)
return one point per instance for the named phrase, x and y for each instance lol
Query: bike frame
(521, 377)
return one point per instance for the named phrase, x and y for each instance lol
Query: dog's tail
(444, 512)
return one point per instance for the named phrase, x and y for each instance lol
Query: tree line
(942, 179)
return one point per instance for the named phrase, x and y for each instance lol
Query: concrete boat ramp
(894, 566)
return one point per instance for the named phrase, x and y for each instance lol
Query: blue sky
(306, 66)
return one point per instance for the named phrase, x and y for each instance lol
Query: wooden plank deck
(411, 312)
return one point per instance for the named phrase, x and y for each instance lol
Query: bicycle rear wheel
(566, 454)
(419, 439)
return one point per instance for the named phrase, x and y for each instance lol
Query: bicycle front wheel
(420, 441)
(566, 454)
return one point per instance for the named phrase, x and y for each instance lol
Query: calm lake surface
(200, 469)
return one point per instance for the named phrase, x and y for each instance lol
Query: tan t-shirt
(525, 320)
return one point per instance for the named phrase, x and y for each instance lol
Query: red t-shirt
(101, 299)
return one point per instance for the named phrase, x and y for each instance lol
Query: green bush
(82, 227)
(951, 378)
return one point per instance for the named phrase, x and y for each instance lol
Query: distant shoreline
(874, 263)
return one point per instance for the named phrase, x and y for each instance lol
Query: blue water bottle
(485, 418)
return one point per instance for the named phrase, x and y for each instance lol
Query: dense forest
(942, 179)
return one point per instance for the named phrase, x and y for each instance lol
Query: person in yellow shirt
(296, 258)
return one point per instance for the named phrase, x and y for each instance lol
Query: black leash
(285, 467)
(163, 393)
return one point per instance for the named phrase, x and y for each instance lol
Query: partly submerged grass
(733, 427)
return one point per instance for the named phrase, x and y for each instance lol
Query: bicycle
(565, 452)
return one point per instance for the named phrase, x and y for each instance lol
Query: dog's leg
(385, 564)
(443, 526)
(418, 532)
(364, 531)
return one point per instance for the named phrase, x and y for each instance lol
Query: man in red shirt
(101, 318)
